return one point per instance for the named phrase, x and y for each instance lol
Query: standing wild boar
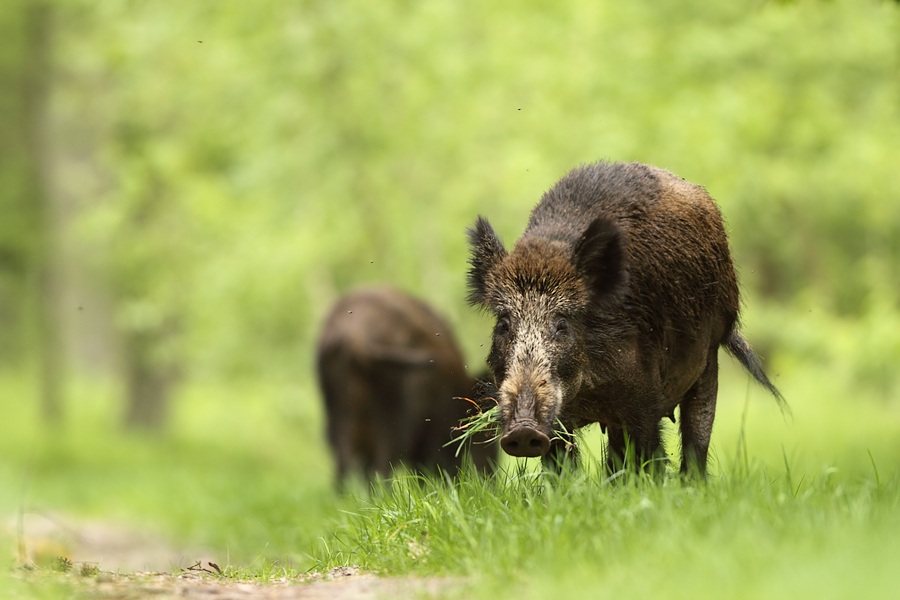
(611, 309)
(390, 371)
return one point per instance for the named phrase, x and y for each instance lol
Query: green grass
(799, 505)
(795, 506)
(746, 534)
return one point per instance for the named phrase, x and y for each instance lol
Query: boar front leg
(561, 456)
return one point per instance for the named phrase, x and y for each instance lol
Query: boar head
(548, 297)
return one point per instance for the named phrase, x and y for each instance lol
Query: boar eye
(502, 326)
(561, 328)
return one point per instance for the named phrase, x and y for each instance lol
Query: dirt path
(341, 584)
(116, 562)
(43, 536)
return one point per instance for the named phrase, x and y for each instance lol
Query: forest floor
(340, 584)
(115, 562)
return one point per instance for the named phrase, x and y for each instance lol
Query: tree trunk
(148, 378)
(37, 65)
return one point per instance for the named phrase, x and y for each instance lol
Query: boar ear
(600, 258)
(487, 252)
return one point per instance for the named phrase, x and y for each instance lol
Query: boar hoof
(525, 441)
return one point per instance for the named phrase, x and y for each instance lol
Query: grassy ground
(243, 471)
(748, 535)
(795, 507)
(799, 505)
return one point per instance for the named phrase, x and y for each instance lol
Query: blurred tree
(147, 264)
(28, 244)
(37, 68)
(19, 219)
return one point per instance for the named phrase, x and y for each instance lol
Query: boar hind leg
(387, 446)
(338, 391)
(393, 427)
(698, 409)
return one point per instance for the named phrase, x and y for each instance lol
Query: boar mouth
(525, 439)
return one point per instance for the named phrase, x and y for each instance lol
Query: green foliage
(257, 159)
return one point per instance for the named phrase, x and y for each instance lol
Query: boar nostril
(525, 441)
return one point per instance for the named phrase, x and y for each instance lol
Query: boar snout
(523, 433)
(525, 441)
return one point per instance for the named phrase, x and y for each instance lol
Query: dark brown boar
(390, 373)
(611, 309)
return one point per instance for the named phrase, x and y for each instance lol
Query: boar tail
(738, 347)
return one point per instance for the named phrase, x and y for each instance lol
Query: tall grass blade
(874, 468)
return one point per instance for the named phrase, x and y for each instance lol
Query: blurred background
(186, 187)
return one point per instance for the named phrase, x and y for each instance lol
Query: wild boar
(391, 376)
(611, 309)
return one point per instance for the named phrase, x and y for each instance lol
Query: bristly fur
(611, 308)
(600, 259)
(656, 213)
(390, 371)
(487, 253)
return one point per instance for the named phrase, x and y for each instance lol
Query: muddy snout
(523, 434)
(525, 440)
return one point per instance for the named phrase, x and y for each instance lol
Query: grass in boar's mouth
(482, 422)
(567, 437)
(488, 422)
